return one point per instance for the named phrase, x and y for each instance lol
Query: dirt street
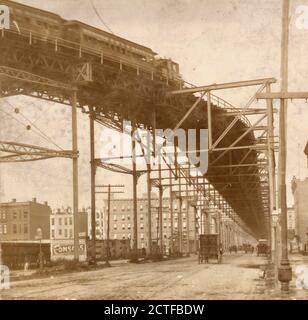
(236, 278)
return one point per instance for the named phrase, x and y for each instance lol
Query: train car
(39, 25)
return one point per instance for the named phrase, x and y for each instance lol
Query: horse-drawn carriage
(263, 247)
(209, 248)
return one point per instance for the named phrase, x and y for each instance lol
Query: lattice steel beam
(19, 152)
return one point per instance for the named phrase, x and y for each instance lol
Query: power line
(99, 16)
(39, 133)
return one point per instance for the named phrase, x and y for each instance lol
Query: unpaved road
(236, 278)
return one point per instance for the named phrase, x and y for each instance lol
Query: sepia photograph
(154, 150)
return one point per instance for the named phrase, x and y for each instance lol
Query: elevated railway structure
(112, 79)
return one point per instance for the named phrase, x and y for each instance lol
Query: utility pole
(284, 271)
(109, 192)
(135, 180)
(93, 172)
(171, 212)
(75, 174)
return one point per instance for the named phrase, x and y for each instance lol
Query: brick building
(20, 220)
(122, 223)
(62, 224)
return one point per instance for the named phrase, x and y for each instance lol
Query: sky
(214, 41)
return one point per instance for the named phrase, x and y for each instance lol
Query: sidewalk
(295, 292)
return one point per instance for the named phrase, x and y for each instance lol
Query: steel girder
(19, 152)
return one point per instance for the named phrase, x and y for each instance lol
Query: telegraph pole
(109, 192)
(75, 174)
(284, 271)
(135, 180)
(93, 172)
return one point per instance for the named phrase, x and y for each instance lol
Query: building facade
(300, 192)
(122, 222)
(21, 220)
(62, 224)
(99, 224)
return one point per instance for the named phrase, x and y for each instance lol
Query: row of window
(66, 221)
(66, 233)
(20, 228)
(128, 217)
(175, 207)
(165, 225)
(128, 236)
(3, 229)
(15, 215)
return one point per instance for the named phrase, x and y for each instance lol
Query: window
(65, 233)
(53, 234)
(115, 236)
(128, 226)
(4, 216)
(14, 228)
(52, 221)
(25, 215)
(25, 228)
(4, 229)
(115, 227)
(141, 207)
(141, 217)
(14, 215)
(114, 208)
(165, 216)
(123, 226)
(71, 233)
(142, 236)
(128, 217)
(60, 232)
(123, 217)
(128, 208)
(114, 218)
(141, 226)
(1, 229)
(71, 221)
(123, 208)
(65, 221)
(60, 221)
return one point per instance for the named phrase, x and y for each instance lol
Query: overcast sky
(212, 40)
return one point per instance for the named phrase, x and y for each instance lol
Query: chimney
(33, 199)
(46, 203)
(14, 200)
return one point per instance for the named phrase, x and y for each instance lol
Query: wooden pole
(93, 196)
(135, 243)
(285, 270)
(75, 175)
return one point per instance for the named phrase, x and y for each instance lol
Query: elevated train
(39, 25)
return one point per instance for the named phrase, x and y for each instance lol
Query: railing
(81, 49)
